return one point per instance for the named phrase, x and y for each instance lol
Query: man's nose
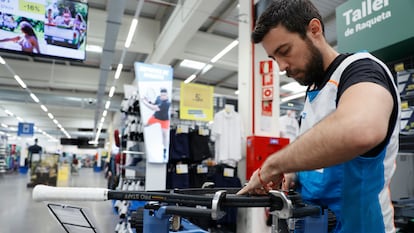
(283, 65)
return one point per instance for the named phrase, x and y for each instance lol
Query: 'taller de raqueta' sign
(370, 13)
(372, 24)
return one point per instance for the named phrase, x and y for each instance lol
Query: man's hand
(261, 184)
(289, 181)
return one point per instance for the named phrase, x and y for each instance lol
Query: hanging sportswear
(227, 132)
(357, 190)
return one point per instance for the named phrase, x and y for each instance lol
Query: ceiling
(76, 92)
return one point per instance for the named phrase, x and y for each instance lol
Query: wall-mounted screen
(52, 28)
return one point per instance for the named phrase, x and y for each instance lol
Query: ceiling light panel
(192, 64)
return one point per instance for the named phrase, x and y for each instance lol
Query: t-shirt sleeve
(365, 70)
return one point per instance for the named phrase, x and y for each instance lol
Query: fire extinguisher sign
(266, 67)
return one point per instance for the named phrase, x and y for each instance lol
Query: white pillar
(250, 107)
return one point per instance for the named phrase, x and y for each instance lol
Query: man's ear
(315, 27)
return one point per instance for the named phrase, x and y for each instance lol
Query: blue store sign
(25, 129)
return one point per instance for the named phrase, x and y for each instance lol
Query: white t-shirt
(227, 132)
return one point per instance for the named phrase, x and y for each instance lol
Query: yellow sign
(63, 172)
(404, 105)
(196, 102)
(31, 7)
(399, 67)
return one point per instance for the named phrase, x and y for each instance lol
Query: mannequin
(229, 108)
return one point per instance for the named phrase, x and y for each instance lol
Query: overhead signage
(25, 129)
(196, 102)
(363, 24)
(365, 17)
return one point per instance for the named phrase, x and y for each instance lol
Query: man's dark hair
(294, 15)
(163, 90)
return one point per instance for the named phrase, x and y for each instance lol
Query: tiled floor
(20, 214)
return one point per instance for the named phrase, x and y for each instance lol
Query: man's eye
(284, 52)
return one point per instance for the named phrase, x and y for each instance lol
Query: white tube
(48, 193)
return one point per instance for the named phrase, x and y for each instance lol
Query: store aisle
(19, 214)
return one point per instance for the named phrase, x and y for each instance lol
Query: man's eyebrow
(276, 51)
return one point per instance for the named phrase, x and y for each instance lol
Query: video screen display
(52, 28)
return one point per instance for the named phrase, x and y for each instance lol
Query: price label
(399, 67)
(203, 132)
(202, 169)
(181, 168)
(404, 105)
(31, 7)
(228, 172)
(182, 129)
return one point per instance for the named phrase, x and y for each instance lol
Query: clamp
(216, 211)
(286, 210)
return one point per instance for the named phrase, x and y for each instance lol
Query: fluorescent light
(34, 97)
(292, 97)
(107, 104)
(4, 125)
(20, 119)
(237, 92)
(118, 71)
(60, 126)
(103, 119)
(50, 115)
(104, 113)
(112, 91)
(224, 51)
(294, 87)
(20, 81)
(191, 78)
(55, 121)
(192, 64)
(8, 112)
(131, 32)
(94, 48)
(2, 61)
(206, 68)
(93, 142)
(43, 108)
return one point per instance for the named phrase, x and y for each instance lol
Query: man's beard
(314, 68)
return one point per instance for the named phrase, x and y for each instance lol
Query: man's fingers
(242, 191)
